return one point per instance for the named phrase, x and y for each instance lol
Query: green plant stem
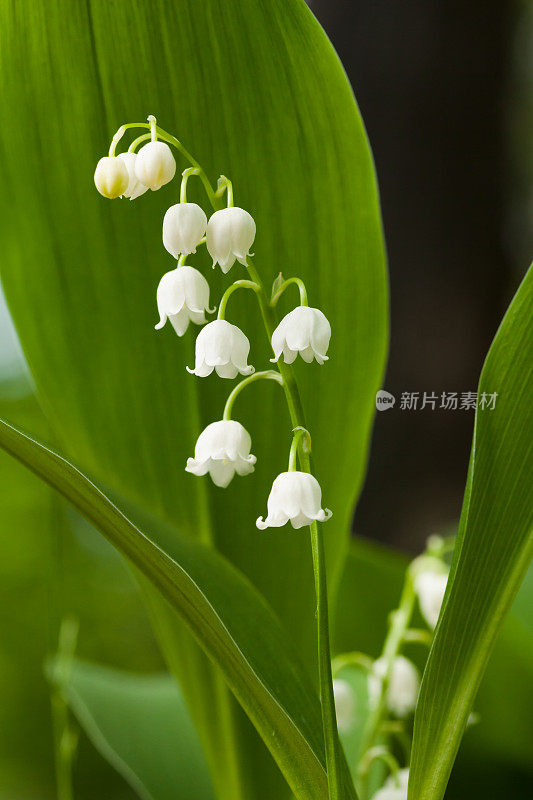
(301, 286)
(225, 185)
(270, 374)
(399, 624)
(382, 754)
(65, 738)
(356, 659)
(327, 700)
(62, 746)
(229, 291)
(186, 174)
(167, 137)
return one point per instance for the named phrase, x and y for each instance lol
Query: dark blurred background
(444, 88)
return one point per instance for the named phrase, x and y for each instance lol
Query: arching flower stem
(270, 374)
(139, 140)
(185, 175)
(301, 440)
(301, 286)
(229, 291)
(225, 185)
(380, 753)
(359, 660)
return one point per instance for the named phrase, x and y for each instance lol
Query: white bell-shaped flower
(182, 296)
(230, 235)
(111, 177)
(404, 683)
(395, 787)
(430, 587)
(345, 704)
(223, 347)
(134, 188)
(222, 449)
(184, 225)
(295, 496)
(303, 330)
(155, 165)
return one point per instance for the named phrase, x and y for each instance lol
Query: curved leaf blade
(223, 611)
(140, 724)
(494, 548)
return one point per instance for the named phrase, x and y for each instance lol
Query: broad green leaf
(140, 724)
(223, 611)
(255, 90)
(493, 551)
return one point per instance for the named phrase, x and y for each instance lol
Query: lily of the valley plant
(223, 449)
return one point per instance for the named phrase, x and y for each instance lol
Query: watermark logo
(384, 400)
(447, 401)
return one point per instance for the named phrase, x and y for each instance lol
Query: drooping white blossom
(404, 683)
(430, 587)
(345, 704)
(134, 188)
(111, 177)
(223, 347)
(184, 225)
(395, 787)
(303, 330)
(230, 235)
(155, 165)
(222, 449)
(182, 296)
(295, 497)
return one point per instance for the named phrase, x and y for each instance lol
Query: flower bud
(182, 296)
(344, 704)
(295, 496)
(230, 234)
(111, 177)
(395, 787)
(303, 330)
(223, 347)
(134, 188)
(183, 227)
(155, 165)
(222, 450)
(430, 587)
(404, 683)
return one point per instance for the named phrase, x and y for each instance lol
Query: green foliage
(220, 607)
(141, 725)
(255, 89)
(494, 548)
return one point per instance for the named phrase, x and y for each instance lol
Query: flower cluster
(392, 680)
(223, 448)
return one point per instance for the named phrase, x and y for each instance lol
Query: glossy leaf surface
(493, 550)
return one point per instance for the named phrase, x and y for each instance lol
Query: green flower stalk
(223, 448)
